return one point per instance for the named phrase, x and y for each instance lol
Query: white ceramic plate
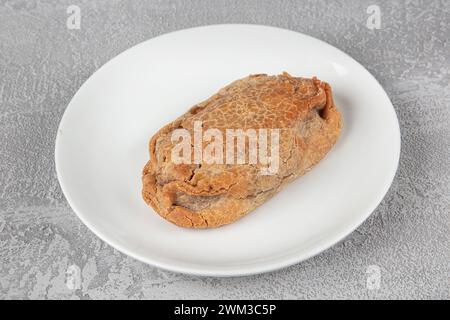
(102, 141)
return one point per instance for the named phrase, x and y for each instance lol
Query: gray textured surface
(43, 245)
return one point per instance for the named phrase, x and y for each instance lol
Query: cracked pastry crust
(210, 195)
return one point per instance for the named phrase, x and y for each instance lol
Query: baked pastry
(206, 194)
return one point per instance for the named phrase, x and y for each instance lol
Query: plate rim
(264, 267)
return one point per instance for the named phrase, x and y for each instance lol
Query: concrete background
(46, 252)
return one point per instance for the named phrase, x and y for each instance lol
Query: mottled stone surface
(46, 252)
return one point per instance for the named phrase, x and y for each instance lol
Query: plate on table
(102, 146)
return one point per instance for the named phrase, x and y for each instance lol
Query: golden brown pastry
(202, 194)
